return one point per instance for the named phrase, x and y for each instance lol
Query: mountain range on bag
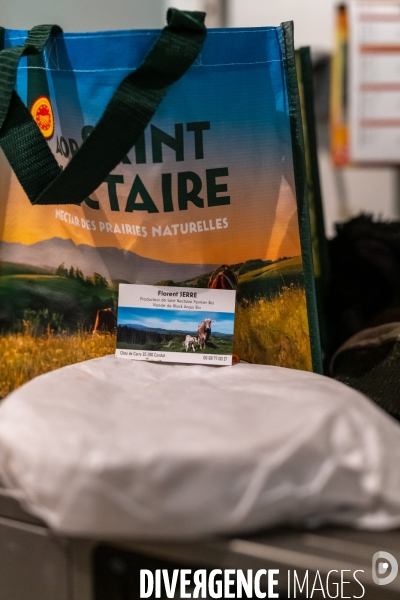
(113, 263)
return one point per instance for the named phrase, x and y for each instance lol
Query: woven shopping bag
(173, 158)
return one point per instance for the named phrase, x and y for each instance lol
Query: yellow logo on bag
(42, 112)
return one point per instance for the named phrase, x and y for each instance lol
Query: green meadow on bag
(173, 158)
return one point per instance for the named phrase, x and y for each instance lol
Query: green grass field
(76, 301)
(271, 325)
(24, 356)
(269, 281)
(274, 332)
(50, 286)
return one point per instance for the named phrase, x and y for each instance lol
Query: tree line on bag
(95, 280)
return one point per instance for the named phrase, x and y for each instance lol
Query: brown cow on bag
(223, 278)
(106, 321)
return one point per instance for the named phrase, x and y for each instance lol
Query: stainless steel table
(35, 564)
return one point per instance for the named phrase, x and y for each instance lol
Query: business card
(175, 324)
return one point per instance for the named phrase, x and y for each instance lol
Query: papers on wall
(374, 81)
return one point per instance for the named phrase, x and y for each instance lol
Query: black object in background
(364, 288)
(364, 299)
(370, 363)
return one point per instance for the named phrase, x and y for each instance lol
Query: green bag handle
(122, 123)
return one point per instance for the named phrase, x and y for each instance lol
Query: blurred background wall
(82, 15)
(313, 18)
(346, 191)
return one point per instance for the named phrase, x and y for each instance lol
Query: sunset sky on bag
(249, 135)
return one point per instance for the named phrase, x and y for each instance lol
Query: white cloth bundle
(148, 450)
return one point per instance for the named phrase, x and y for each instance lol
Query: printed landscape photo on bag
(175, 330)
(206, 198)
